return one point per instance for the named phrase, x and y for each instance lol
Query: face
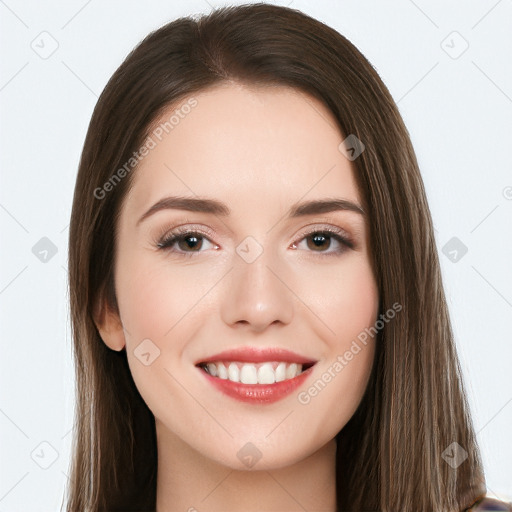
(253, 274)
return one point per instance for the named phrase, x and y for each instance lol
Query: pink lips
(257, 355)
(257, 393)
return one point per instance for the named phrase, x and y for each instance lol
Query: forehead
(243, 145)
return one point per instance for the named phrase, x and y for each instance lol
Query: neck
(189, 482)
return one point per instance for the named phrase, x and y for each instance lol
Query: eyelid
(184, 227)
(322, 227)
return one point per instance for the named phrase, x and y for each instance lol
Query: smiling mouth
(254, 373)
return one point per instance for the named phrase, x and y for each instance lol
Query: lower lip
(258, 393)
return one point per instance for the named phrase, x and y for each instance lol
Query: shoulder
(490, 504)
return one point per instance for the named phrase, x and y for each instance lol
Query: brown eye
(187, 243)
(322, 241)
(319, 241)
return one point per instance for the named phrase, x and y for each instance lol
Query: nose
(257, 295)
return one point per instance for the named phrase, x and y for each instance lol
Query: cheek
(153, 298)
(348, 304)
(146, 310)
(159, 316)
(345, 298)
(357, 301)
(163, 301)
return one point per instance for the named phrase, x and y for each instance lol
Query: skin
(258, 150)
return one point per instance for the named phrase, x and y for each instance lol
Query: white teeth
(291, 371)
(266, 374)
(281, 372)
(222, 373)
(233, 373)
(249, 373)
(212, 369)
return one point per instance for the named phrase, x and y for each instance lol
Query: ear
(109, 325)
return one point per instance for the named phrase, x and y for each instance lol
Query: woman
(257, 306)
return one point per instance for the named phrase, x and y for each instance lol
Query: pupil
(321, 239)
(194, 241)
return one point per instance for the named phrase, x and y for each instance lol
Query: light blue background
(458, 112)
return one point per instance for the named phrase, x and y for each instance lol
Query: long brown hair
(390, 454)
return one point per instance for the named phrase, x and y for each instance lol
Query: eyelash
(166, 242)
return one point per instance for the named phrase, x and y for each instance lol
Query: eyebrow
(212, 206)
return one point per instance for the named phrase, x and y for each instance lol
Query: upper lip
(257, 355)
